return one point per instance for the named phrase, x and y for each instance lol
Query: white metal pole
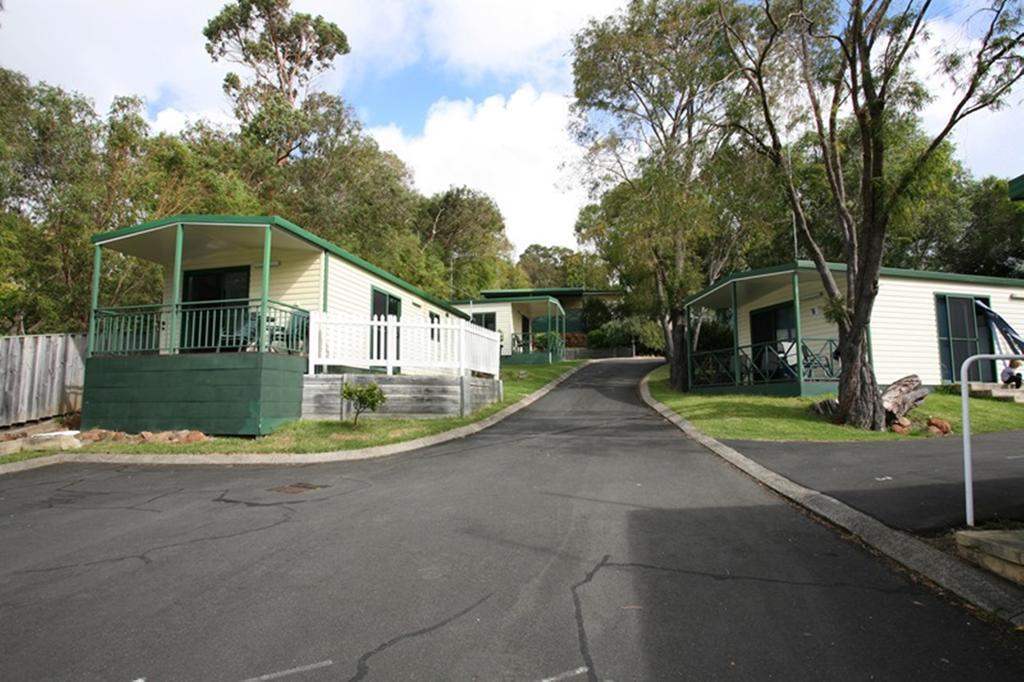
(965, 413)
(313, 342)
(389, 344)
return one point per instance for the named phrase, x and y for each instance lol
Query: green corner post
(179, 240)
(547, 329)
(735, 338)
(799, 335)
(326, 279)
(264, 289)
(94, 301)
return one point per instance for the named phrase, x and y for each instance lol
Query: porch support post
(799, 335)
(179, 240)
(735, 337)
(547, 329)
(264, 289)
(94, 301)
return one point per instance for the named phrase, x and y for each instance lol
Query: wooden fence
(41, 376)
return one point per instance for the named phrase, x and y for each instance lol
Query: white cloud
(981, 138)
(512, 149)
(529, 38)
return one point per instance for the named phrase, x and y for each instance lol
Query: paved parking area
(914, 485)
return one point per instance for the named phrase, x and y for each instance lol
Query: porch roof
(717, 295)
(297, 238)
(1017, 188)
(534, 306)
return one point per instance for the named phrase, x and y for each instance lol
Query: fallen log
(901, 396)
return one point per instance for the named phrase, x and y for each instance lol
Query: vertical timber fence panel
(41, 376)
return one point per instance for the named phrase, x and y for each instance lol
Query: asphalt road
(915, 485)
(582, 539)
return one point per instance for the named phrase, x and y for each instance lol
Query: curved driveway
(582, 538)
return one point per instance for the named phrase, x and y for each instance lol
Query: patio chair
(244, 336)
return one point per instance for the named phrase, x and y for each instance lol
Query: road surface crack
(581, 629)
(362, 665)
(145, 557)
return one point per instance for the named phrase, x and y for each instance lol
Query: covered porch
(780, 342)
(541, 335)
(224, 350)
(532, 328)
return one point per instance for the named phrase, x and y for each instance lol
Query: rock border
(977, 587)
(276, 458)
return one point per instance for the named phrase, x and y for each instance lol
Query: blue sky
(466, 92)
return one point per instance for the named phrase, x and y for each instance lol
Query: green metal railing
(539, 342)
(202, 326)
(766, 363)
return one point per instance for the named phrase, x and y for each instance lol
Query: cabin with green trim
(532, 328)
(781, 342)
(226, 349)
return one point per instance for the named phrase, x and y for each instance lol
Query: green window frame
(963, 332)
(486, 320)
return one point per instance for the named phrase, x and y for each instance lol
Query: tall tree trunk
(860, 402)
(674, 328)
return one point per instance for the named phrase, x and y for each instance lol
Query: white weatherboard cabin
(514, 319)
(250, 305)
(923, 323)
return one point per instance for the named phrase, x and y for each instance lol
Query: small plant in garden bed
(363, 397)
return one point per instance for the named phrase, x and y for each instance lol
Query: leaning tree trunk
(860, 403)
(674, 330)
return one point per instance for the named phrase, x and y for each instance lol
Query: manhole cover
(296, 488)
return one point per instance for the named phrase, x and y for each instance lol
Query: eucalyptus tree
(283, 51)
(806, 64)
(650, 86)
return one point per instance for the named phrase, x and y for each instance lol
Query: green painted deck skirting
(788, 389)
(530, 359)
(237, 394)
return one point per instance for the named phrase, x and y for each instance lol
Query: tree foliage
(283, 52)
(802, 66)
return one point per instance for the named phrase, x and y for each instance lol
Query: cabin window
(485, 320)
(963, 331)
(384, 304)
(435, 333)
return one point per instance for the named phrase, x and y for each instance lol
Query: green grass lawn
(768, 418)
(325, 436)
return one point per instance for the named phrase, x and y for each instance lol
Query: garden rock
(942, 425)
(900, 429)
(61, 440)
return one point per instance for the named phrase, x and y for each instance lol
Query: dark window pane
(942, 318)
(961, 312)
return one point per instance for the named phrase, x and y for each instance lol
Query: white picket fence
(454, 347)
(41, 376)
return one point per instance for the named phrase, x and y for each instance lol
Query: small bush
(363, 397)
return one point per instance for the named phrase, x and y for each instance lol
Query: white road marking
(290, 671)
(1015, 457)
(566, 675)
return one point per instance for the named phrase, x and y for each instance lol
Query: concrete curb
(272, 458)
(973, 585)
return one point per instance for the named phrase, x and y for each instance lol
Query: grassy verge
(325, 436)
(790, 419)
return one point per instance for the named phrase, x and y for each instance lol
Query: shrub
(546, 341)
(623, 332)
(363, 397)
